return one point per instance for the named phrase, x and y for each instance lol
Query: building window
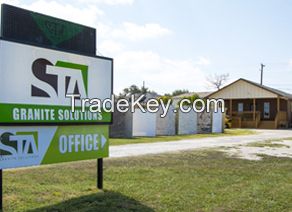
(266, 110)
(240, 107)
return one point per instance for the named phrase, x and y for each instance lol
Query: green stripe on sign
(79, 67)
(26, 113)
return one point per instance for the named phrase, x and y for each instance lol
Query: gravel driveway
(224, 141)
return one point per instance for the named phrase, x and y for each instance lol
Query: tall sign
(42, 59)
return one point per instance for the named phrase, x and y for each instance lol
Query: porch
(269, 113)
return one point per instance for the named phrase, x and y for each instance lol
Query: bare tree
(217, 81)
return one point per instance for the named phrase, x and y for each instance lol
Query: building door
(266, 110)
(240, 107)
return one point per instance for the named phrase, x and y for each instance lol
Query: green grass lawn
(186, 181)
(135, 140)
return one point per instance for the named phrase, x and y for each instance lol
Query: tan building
(251, 105)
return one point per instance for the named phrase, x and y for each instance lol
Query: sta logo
(56, 81)
(19, 144)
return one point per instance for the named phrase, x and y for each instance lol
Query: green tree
(165, 99)
(179, 92)
(192, 99)
(134, 89)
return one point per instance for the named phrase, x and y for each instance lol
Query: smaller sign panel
(30, 146)
(35, 81)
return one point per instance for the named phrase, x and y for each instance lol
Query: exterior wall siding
(122, 126)
(204, 122)
(144, 124)
(217, 122)
(166, 125)
(243, 90)
(187, 123)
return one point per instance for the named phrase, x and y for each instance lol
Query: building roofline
(269, 89)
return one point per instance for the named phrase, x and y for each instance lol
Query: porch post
(230, 107)
(288, 113)
(254, 112)
(278, 110)
(278, 104)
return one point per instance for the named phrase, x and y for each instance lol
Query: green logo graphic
(18, 144)
(78, 67)
(56, 82)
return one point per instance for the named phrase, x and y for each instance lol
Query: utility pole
(262, 73)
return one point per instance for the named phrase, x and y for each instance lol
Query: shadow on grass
(103, 201)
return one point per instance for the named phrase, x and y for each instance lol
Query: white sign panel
(35, 81)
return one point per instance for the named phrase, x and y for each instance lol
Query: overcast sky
(176, 44)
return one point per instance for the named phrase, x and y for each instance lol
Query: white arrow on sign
(103, 141)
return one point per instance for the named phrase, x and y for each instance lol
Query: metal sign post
(100, 173)
(1, 192)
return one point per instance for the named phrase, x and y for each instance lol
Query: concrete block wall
(127, 125)
(166, 125)
(122, 126)
(218, 122)
(204, 122)
(144, 124)
(187, 123)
